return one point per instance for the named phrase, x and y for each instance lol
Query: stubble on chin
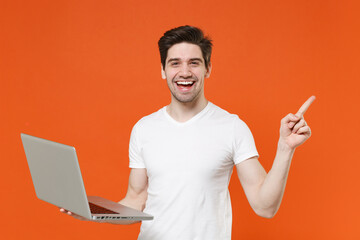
(186, 98)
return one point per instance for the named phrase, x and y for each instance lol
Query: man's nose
(185, 71)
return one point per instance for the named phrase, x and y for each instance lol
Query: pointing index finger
(305, 106)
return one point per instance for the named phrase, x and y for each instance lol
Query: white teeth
(185, 83)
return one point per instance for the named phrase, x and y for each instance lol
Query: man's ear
(163, 72)
(208, 71)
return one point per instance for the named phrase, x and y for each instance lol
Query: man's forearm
(272, 189)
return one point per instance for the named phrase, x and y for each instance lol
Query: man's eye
(194, 63)
(174, 63)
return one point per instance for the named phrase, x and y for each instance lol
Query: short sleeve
(243, 144)
(135, 156)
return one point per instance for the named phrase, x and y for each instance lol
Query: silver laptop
(57, 179)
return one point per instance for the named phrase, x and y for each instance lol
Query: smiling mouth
(185, 83)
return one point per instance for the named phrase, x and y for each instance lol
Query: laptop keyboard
(96, 209)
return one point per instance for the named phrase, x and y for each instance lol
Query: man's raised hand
(294, 130)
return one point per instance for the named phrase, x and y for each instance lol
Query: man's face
(185, 72)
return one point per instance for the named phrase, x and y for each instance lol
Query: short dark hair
(187, 34)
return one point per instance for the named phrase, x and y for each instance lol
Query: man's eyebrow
(173, 59)
(191, 59)
(196, 59)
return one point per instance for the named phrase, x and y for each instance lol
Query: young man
(182, 156)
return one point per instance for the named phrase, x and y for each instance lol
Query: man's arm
(136, 193)
(135, 197)
(265, 191)
(137, 189)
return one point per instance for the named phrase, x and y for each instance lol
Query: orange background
(83, 72)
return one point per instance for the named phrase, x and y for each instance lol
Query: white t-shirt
(189, 167)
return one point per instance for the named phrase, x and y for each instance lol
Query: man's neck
(183, 112)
